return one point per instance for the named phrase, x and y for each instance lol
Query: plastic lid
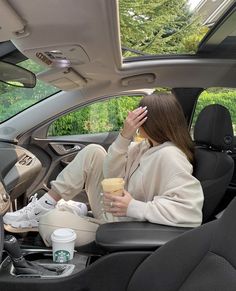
(63, 235)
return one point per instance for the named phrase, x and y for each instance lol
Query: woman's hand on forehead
(133, 121)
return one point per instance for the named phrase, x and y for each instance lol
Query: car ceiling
(86, 32)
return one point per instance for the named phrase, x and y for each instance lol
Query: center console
(107, 264)
(142, 236)
(83, 272)
(40, 265)
(36, 263)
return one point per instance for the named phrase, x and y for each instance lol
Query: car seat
(213, 135)
(200, 260)
(213, 166)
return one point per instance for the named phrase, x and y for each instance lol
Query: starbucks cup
(63, 243)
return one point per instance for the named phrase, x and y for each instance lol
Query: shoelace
(32, 201)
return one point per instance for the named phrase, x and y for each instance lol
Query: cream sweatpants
(84, 172)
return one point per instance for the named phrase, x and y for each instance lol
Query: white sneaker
(77, 208)
(27, 218)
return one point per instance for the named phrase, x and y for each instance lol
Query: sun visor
(12, 26)
(65, 79)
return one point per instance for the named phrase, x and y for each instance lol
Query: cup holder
(43, 259)
(58, 270)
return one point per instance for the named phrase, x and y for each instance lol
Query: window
(102, 116)
(166, 27)
(13, 99)
(222, 96)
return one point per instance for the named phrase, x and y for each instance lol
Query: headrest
(214, 128)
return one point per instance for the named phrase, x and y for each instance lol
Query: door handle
(74, 148)
(64, 148)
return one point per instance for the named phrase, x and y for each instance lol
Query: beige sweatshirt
(160, 181)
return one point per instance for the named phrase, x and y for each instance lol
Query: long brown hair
(166, 122)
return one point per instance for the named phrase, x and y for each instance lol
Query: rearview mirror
(16, 76)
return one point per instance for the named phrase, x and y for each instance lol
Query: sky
(193, 3)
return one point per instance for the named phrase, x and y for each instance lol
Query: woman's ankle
(54, 195)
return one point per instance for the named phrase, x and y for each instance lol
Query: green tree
(98, 117)
(222, 96)
(159, 27)
(15, 99)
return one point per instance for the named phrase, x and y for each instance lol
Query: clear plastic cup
(114, 186)
(63, 243)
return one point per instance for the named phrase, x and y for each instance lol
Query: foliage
(14, 99)
(223, 96)
(32, 66)
(102, 116)
(109, 115)
(160, 27)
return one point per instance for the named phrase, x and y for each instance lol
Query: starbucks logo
(61, 256)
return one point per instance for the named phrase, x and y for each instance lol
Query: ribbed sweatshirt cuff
(121, 143)
(136, 209)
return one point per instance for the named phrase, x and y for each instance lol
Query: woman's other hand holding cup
(117, 205)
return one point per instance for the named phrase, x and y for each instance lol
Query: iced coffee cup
(114, 186)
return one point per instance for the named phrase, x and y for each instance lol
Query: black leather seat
(213, 135)
(203, 259)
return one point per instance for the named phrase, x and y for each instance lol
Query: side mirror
(16, 76)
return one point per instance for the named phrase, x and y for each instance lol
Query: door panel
(105, 139)
(57, 152)
(57, 143)
(19, 168)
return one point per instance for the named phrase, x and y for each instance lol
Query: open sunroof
(167, 27)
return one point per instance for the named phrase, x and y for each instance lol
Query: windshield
(164, 27)
(13, 99)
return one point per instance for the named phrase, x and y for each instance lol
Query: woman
(158, 177)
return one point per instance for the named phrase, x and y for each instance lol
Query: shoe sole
(12, 229)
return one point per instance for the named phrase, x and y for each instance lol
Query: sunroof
(166, 27)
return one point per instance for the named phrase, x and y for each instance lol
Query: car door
(57, 143)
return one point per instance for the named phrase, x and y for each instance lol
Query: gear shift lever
(12, 247)
(22, 266)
